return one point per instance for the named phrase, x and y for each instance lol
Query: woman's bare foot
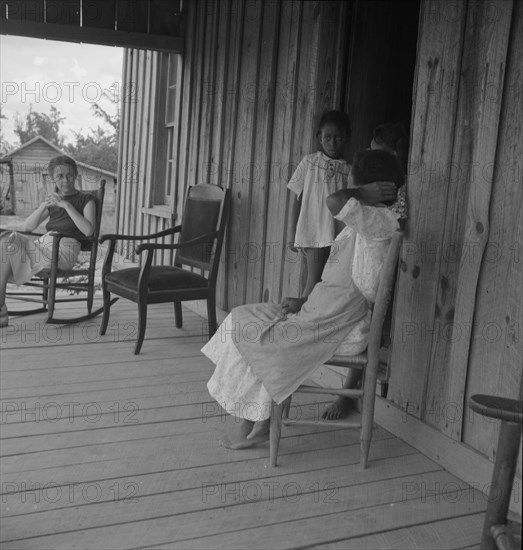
(260, 431)
(250, 434)
(339, 409)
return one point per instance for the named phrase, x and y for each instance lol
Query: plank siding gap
(254, 192)
(261, 157)
(231, 157)
(287, 211)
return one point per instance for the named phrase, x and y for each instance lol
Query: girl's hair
(62, 160)
(339, 118)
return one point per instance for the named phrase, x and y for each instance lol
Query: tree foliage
(97, 147)
(100, 147)
(111, 120)
(5, 146)
(40, 124)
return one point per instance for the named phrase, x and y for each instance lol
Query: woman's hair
(339, 118)
(62, 160)
(373, 165)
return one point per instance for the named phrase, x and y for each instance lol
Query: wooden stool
(498, 532)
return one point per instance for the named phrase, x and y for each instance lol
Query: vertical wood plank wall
(256, 75)
(458, 314)
(496, 357)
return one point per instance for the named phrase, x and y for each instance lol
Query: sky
(69, 76)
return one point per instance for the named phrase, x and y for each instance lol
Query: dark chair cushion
(161, 278)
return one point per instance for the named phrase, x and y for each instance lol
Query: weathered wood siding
(458, 315)
(29, 165)
(136, 153)
(255, 76)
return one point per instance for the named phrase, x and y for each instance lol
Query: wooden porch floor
(104, 449)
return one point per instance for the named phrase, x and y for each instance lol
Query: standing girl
(319, 175)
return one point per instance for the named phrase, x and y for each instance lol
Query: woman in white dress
(263, 352)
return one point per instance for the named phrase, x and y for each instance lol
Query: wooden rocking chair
(48, 281)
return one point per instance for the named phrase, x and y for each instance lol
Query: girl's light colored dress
(260, 355)
(317, 177)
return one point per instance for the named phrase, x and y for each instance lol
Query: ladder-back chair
(367, 361)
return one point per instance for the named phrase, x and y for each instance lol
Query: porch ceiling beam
(90, 35)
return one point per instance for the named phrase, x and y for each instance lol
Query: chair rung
(348, 360)
(76, 287)
(36, 284)
(25, 299)
(331, 423)
(330, 391)
(345, 364)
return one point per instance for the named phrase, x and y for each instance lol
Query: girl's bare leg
(316, 259)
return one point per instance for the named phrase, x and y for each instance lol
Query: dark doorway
(380, 72)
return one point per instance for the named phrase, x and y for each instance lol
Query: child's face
(333, 140)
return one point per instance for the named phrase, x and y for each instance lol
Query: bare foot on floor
(250, 435)
(339, 409)
(260, 430)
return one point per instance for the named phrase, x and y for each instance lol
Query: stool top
(503, 408)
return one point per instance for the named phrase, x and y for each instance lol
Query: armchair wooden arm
(152, 247)
(120, 237)
(113, 238)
